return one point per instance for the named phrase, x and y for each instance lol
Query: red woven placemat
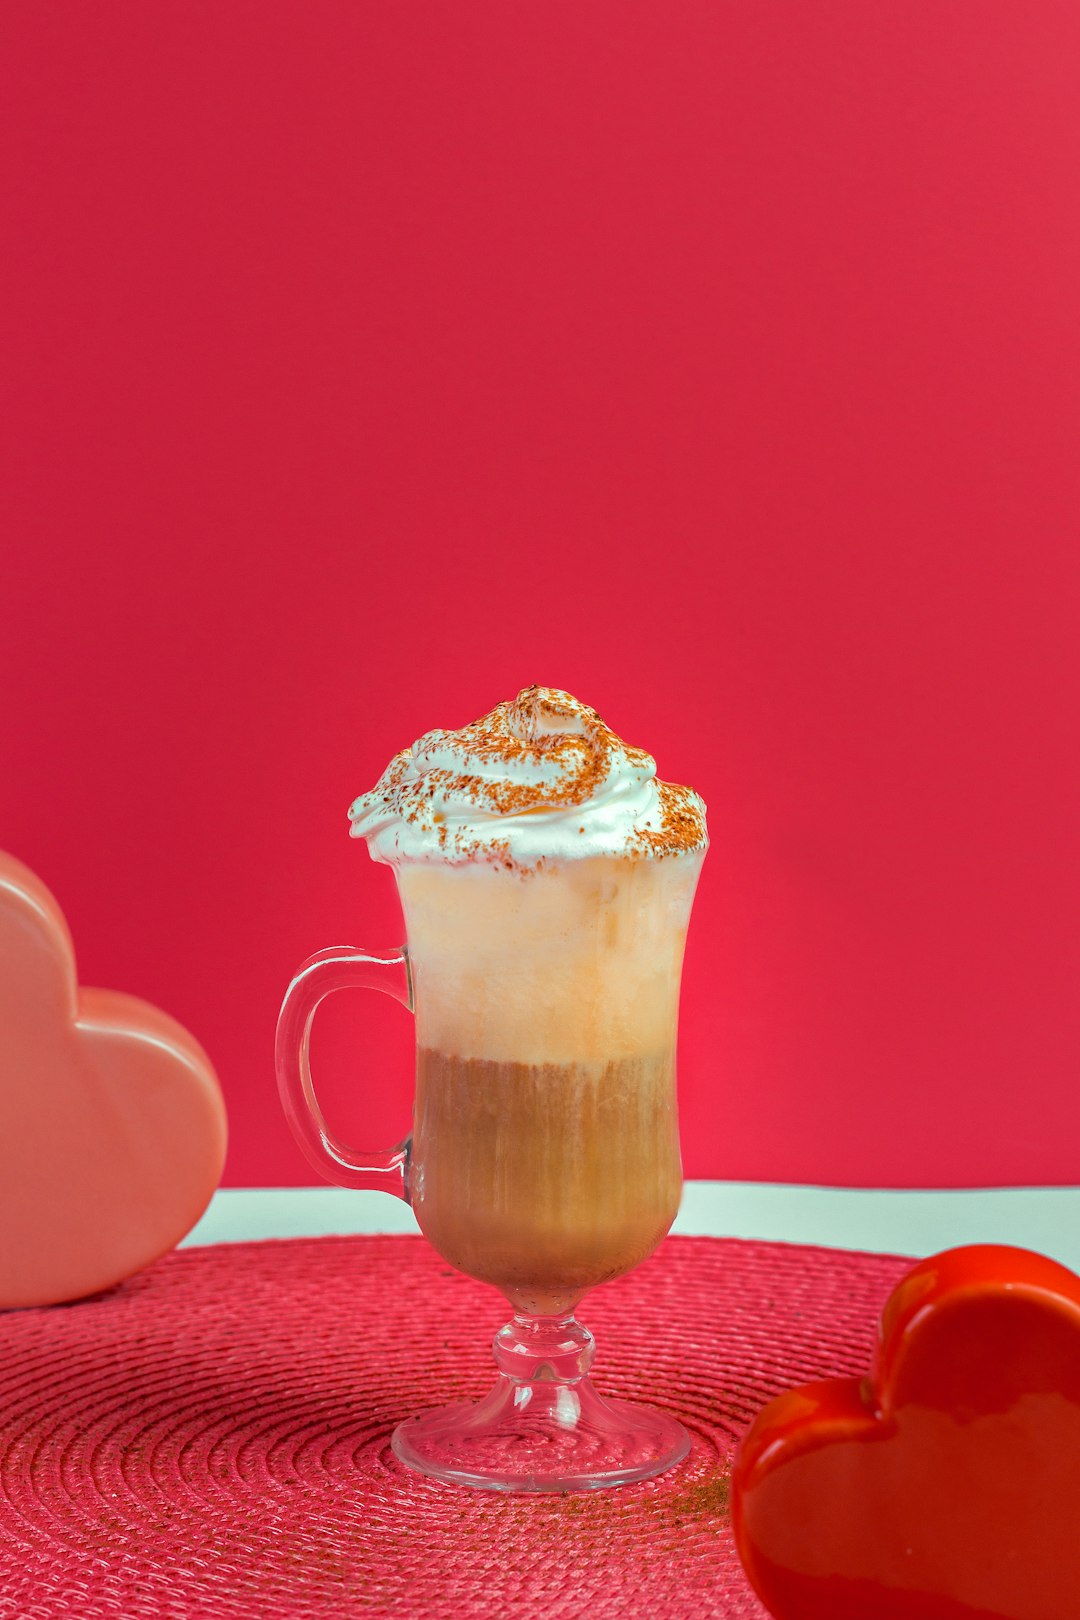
(212, 1438)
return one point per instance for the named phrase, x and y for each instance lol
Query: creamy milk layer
(577, 963)
(539, 779)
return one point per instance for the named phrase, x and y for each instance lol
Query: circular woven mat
(212, 1438)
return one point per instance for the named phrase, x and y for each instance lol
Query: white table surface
(1043, 1218)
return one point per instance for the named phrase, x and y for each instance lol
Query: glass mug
(544, 1157)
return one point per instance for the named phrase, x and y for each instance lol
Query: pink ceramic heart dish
(112, 1124)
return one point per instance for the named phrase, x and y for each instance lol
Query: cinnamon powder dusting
(681, 822)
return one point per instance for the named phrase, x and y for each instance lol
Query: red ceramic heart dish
(112, 1125)
(946, 1486)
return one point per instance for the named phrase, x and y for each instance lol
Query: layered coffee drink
(546, 878)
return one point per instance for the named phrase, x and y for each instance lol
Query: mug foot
(542, 1436)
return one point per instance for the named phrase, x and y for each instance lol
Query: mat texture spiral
(212, 1438)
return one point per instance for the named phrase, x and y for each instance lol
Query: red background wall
(717, 361)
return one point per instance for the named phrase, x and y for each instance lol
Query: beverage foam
(541, 778)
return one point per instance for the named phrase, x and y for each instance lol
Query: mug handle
(342, 967)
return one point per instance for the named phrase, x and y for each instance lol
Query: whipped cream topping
(539, 779)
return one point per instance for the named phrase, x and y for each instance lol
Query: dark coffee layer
(545, 1179)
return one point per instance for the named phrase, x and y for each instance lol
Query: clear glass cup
(544, 1157)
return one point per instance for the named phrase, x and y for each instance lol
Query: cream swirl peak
(539, 778)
